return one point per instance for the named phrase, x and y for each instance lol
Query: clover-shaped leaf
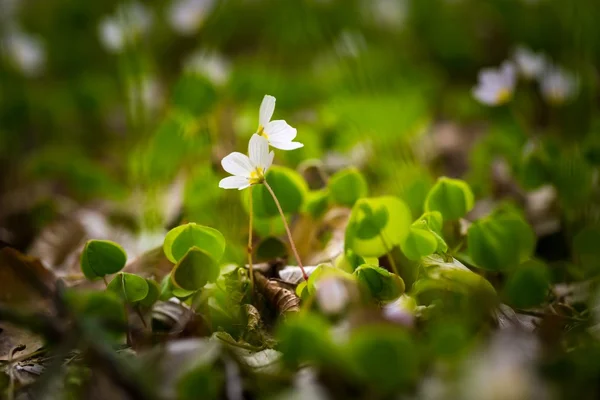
(181, 239)
(129, 287)
(195, 270)
(500, 241)
(453, 198)
(102, 257)
(289, 187)
(380, 283)
(376, 225)
(347, 186)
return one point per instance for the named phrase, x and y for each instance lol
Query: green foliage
(102, 257)
(528, 285)
(317, 202)
(420, 242)
(193, 94)
(376, 225)
(379, 283)
(104, 307)
(181, 239)
(194, 270)
(587, 249)
(500, 241)
(347, 186)
(154, 291)
(305, 338)
(325, 271)
(289, 187)
(269, 249)
(130, 287)
(453, 198)
(204, 381)
(384, 357)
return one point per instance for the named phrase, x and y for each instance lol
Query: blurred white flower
(130, 21)
(388, 13)
(496, 86)
(350, 44)
(186, 16)
(332, 295)
(26, 52)
(209, 64)
(531, 65)
(402, 311)
(557, 85)
(247, 170)
(279, 134)
(145, 95)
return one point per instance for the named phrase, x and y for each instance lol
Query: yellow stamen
(257, 176)
(261, 132)
(503, 96)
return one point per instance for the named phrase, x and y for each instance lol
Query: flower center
(503, 96)
(257, 176)
(261, 132)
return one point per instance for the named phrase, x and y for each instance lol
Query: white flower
(186, 16)
(557, 85)
(128, 23)
(531, 65)
(27, 52)
(209, 64)
(332, 295)
(247, 170)
(496, 86)
(278, 132)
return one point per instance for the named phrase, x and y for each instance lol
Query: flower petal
(267, 107)
(258, 150)
(237, 164)
(234, 182)
(269, 161)
(287, 145)
(280, 131)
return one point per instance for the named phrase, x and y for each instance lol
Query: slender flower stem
(287, 229)
(389, 255)
(249, 248)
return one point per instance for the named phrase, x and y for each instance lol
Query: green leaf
(153, 293)
(195, 270)
(181, 239)
(420, 242)
(453, 198)
(347, 186)
(384, 357)
(201, 382)
(376, 225)
(129, 287)
(349, 261)
(587, 249)
(304, 337)
(380, 283)
(433, 220)
(194, 94)
(104, 306)
(317, 202)
(289, 187)
(500, 241)
(270, 249)
(102, 257)
(528, 285)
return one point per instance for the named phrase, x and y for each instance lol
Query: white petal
(237, 164)
(287, 145)
(332, 295)
(280, 131)
(267, 107)
(234, 182)
(258, 150)
(269, 161)
(485, 95)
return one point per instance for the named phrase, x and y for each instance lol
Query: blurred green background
(136, 103)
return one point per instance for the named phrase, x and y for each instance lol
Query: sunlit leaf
(376, 225)
(453, 198)
(528, 285)
(289, 187)
(347, 186)
(181, 239)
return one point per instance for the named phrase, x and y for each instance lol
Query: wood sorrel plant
(249, 170)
